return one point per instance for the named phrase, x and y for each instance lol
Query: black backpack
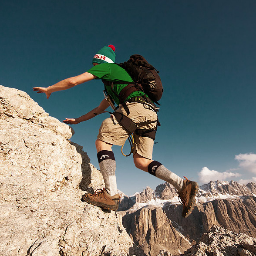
(145, 78)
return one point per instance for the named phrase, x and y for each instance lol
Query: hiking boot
(102, 199)
(188, 196)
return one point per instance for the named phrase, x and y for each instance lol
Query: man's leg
(108, 198)
(187, 189)
(107, 165)
(157, 169)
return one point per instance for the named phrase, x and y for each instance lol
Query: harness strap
(132, 127)
(126, 91)
(151, 133)
(122, 95)
(125, 122)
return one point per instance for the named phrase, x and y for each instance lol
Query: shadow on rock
(85, 167)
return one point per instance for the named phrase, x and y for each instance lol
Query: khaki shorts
(113, 133)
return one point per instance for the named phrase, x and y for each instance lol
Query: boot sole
(101, 205)
(192, 201)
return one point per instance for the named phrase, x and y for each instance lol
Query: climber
(140, 112)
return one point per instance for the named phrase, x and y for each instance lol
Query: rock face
(219, 241)
(235, 215)
(142, 197)
(222, 207)
(42, 178)
(232, 188)
(154, 232)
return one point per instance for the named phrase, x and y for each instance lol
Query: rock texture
(221, 242)
(227, 205)
(42, 178)
(232, 188)
(154, 232)
(235, 215)
(145, 196)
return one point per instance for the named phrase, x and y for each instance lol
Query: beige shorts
(113, 133)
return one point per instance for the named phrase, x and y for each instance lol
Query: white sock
(107, 165)
(157, 169)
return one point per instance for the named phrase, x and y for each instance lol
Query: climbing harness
(109, 100)
(132, 128)
(126, 122)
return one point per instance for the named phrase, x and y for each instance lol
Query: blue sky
(204, 50)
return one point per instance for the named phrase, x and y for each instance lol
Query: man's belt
(144, 100)
(137, 99)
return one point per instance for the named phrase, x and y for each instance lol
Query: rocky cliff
(222, 242)
(223, 208)
(42, 178)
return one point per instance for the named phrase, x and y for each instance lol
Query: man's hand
(42, 90)
(71, 121)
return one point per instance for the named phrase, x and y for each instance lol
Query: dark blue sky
(204, 50)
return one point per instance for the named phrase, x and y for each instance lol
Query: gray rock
(42, 178)
(154, 232)
(235, 214)
(219, 241)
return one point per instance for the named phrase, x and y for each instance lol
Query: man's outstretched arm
(65, 84)
(98, 110)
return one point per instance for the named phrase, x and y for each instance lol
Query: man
(111, 132)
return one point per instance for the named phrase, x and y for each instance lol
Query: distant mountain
(153, 219)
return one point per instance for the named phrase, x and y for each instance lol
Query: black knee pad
(105, 154)
(153, 166)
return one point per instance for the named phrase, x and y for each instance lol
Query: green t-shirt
(112, 72)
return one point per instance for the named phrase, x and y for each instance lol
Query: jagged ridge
(228, 205)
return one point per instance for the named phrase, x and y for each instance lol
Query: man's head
(105, 55)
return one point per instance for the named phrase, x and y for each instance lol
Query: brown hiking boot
(102, 199)
(188, 196)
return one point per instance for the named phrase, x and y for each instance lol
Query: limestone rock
(143, 197)
(219, 241)
(165, 191)
(150, 225)
(211, 191)
(42, 178)
(252, 187)
(226, 188)
(154, 232)
(127, 202)
(236, 214)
